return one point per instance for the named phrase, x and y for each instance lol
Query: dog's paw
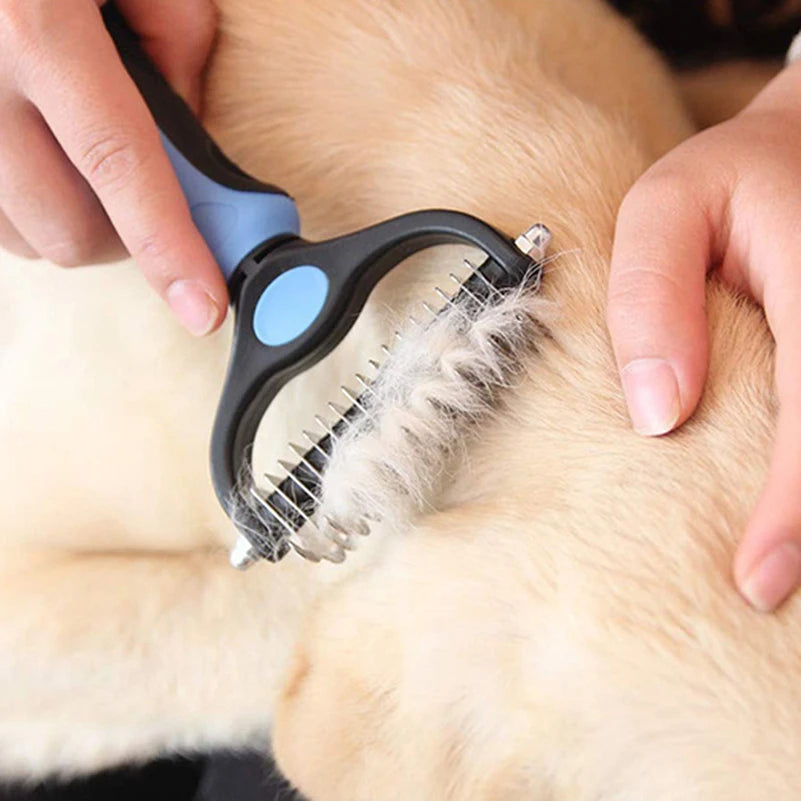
(407, 681)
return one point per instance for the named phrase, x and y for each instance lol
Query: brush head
(387, 455)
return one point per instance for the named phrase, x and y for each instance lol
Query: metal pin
(463, 288)
(354, 399)
(348, 393)
(274, 512)
(339, 411)
(315, 444)
(302, 456)
(276, 482)
(290, 468)
(365, 384)
(455, 306)
(430, 309)
(301, 551)
(374, 364)
(486, 280)
(444, 296)
(337, 534)
(385, 350)
(336, 557)
(322, 423)
(398, 336)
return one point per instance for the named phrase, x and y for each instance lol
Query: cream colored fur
(564, 627)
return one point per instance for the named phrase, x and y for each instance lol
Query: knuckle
(65, 252)
(15, 21)
(639, 295)
(197, 23)
(17, 246)
(79, 244)
(24, 27)
(155, 255)
(111, 159)
(204, 23)
(661, 186)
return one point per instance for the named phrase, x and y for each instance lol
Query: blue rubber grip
(233, 222)
(290, 304)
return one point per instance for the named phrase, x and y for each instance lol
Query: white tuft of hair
(431, 395)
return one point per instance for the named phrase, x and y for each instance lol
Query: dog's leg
(112, 658)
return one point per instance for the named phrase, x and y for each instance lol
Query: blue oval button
(289, 305)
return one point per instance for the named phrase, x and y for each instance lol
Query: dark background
(218, 777)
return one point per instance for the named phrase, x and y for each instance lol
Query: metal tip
(243, 554)
(385, 350)
(288, 466)
(362, 380)
(337, 409)
(311, 436)
(299, 450)
(274, 480)
(534, 241)
(374, 364)
(337, 555)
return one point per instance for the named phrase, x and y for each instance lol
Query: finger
(178, 36)
(46, 201)
(768, 563)
(656, 299)
(11, 241)
(104, 127)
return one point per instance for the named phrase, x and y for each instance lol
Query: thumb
(178, 36)
(655, 310)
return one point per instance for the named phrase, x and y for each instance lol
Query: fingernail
(652, 395)
(773, 578)
(193, 306)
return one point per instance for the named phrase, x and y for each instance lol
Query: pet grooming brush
(295, 300)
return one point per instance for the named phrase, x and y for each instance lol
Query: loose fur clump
(252, 515)
(438, 384)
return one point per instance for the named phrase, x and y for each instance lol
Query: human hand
(724, 198)
(80, 155)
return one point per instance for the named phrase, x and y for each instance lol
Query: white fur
(440, 382)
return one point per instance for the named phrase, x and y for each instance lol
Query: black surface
(220, 777)
(690, 33)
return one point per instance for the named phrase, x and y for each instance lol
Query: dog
(564, 624)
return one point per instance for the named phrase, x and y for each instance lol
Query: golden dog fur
(565, 627)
